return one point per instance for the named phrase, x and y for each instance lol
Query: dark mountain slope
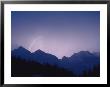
(24, 68)
(78, 63)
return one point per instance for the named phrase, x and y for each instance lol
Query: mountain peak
(20, 50)
(39, 51)
(82, 53)
(21, 47)
(64, 58)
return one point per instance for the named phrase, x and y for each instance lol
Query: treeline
(95, 72)
(25, 68)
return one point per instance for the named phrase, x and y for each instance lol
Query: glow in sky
(57, 32)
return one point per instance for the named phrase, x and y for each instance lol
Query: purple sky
(59, 33)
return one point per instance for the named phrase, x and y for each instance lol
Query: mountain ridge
(41, 51)
(78, 62)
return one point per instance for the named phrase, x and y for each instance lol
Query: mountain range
(77, 63)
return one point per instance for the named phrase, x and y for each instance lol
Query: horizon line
(55, 55)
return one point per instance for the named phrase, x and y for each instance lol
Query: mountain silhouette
(21, 52)
(43, 57)
(39, 52)
(77, 63)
